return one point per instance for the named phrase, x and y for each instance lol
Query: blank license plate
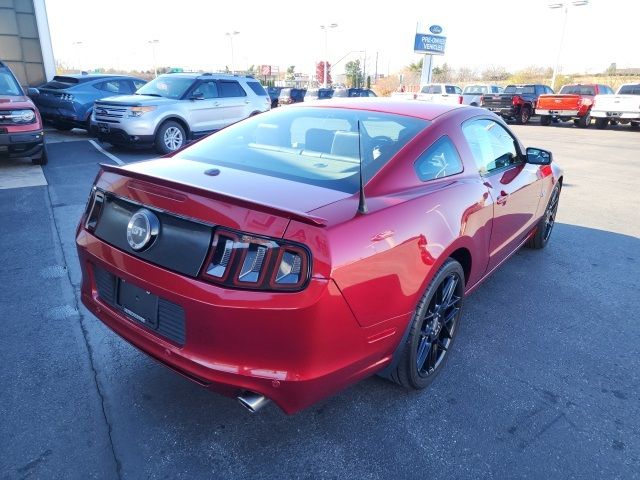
(138, 303)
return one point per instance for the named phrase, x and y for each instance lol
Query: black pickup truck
(517, 102)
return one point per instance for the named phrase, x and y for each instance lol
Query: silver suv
(175, 108)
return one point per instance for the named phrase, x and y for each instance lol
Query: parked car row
(287, 96)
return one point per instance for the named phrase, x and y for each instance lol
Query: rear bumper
(613, 115)
(21, 144)
(61, 115)
(559, 113)
(503, 111)
(294, 348)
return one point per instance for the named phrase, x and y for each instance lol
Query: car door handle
(216, 104)
(247, 102)
(502, 198)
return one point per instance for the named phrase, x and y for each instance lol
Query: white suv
(175, 108)
(440, 93)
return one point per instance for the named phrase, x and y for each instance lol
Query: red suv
(21, 132)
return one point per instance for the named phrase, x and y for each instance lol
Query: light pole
(153, 44)
(78, 46)
(231, 35)
(326, 34)
(565, 6)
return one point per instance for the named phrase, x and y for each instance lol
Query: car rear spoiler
(244, 202)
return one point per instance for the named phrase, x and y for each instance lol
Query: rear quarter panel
(382, 261)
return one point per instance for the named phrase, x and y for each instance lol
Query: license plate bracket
(138, 303)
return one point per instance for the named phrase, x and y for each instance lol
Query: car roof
(409, 108)
(205, 75)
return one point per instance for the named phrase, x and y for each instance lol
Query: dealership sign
(429, 39)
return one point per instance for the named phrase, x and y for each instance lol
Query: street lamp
(326, 30)
(77, 46)
(565, 6)
(231, 35)
(153, 44)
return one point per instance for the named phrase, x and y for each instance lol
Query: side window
(449, 89)
(231, 88)
(138, 84)
(458, 90)
(207, 89)
(440, 160)
(114, 86)
(549, 90)
(492, 146)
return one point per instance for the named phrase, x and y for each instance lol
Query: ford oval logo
(142, 230)
(435, 29)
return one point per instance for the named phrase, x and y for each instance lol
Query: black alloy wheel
(433, 329)
(547, 222)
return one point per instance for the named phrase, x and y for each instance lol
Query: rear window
(475, 89)
(629, 90)
(316, 146)
(341, 93)
(285, 92)
(8, 84)
(431, 89)
(257, 89)
(578, 90)
(520, 89)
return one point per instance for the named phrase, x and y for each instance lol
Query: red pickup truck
(574, 102)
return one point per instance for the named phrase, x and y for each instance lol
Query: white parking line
(111, 156)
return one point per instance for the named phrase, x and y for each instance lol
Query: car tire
(43, 159)
(63, 127)
(601, 123)
(548, 220)
(170, 137)
(635, 125)
(432, 331)
(545, 120)
(585, 121)
(523, 116)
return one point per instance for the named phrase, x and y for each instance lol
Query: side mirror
(197, 96)
(537, 156)
(33, 92)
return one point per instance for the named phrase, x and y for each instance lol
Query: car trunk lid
(220, 195)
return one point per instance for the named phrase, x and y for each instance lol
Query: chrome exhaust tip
(252, 401)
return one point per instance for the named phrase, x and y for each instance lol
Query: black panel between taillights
(181, 246)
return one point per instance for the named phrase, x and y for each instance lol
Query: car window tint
(207, 89)
(8, 86)
(491, 145)
(449, 89)
(230, 88)
(438, 161)
(257, 89)
(317, 146)
(629, 90)
(114, 86)
(138, 84)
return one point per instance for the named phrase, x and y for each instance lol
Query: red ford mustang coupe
(299, 251)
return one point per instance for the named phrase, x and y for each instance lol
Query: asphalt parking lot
(544, 381)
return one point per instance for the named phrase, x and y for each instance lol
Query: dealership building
(25, 42)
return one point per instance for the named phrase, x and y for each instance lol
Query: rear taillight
(460, 99)
(240, 260)
(481, 100)
(517, 100)
(94, 209)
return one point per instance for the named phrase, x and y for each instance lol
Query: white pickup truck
(623, 107)
(440, 93)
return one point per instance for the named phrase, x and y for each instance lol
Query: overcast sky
(191, 33)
